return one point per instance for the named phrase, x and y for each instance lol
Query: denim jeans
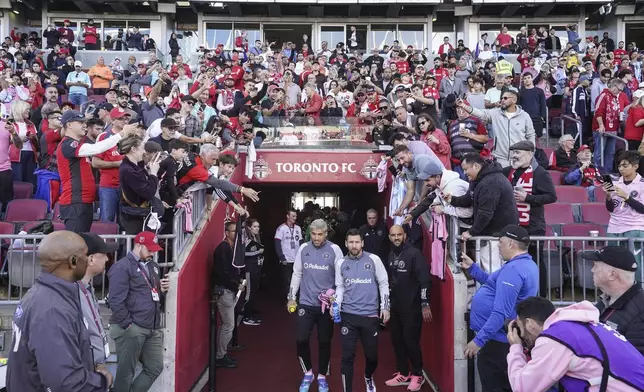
(609, 153)
(77, 99)
(109, 203)
(23, 171)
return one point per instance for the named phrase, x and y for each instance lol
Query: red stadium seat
(557, 177)
(22, 190)
(600, 195)
(581, 230)
(595, 213)
(105, 228)
(26, 210)
(571, 194)
(558, 213)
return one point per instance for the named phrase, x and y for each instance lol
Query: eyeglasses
(56, 118)
(383, 107)
(505, 98)
(190, 103)
(422, 122)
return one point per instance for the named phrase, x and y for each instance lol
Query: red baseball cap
(149, 240)
(118, 113)
(584, 147)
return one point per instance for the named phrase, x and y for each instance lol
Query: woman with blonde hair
(23, 161)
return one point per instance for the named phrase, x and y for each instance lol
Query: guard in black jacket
(374, 233)
(50, 348)
(410, 283)
(227, 282)
(533, 188)
(492, 201)
(622, 304)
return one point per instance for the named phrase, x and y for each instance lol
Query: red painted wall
(438, 335)
(193, 302)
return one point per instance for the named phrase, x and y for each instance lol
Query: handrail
(563, 119)
(601, 143)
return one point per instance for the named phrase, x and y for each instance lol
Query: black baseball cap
(615, 256)
(71, 116)
(169, 123)
(105, 106)
(187, 98)
(514, 232)
(95, 244)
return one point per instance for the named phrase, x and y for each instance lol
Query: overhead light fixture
(434, 18)
(586, 18)
(183, 3)
(146, 3)
(217, 5)
(16, 12)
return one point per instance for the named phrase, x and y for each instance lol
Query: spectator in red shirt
(108, 163)
(445, 48)
(313, 102)
(504, 40)
(608, 108)
(180, 64)
(91, 36)
(241, 42)
(66, 32)
(634, 131)
(76, 176)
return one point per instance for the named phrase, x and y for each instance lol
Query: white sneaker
(371, 384)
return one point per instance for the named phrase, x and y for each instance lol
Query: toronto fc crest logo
(261, 169)
(369, 169)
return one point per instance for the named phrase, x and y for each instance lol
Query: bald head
(397, 235)
(64, 254)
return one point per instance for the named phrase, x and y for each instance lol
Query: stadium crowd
(468, 137)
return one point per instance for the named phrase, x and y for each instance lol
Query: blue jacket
(43, 190)
(130, 295)
(51, 350)
(499, 294)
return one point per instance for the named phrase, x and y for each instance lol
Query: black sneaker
(226, 362)
(251, 321)
(238, 347)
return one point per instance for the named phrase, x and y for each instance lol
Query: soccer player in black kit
(410, 283)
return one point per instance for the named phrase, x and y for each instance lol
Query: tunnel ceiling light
(183, 3)
(146, 3)
(16, 12)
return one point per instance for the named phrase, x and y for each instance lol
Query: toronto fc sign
(347, 167)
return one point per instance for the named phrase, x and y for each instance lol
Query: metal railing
(20, 265)
(602, 144)
(578, 137)
(569, 277)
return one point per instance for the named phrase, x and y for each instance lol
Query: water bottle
(336, 313)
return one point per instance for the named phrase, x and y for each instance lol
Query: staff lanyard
(145, 276)
(91, 305)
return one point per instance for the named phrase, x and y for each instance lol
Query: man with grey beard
(533, 188)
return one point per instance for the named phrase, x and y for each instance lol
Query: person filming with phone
(570, 346)
(625, 202)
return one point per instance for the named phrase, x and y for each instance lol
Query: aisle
(270, 364)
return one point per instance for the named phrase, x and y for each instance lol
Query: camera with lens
(506, 326)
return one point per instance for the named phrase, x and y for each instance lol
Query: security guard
(410, 284)
(314, 270)
(359, 278)
(374, 233)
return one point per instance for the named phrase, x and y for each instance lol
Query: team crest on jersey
(634, 194)
(344, 330)
(18, 313)
(379, 232)
(401, 264)
(301, 312)
(326, 256)
(367, 266)
(253, 248)
(74, 144)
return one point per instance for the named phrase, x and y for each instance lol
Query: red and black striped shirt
(76, 176)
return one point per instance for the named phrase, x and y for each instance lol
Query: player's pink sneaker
(398, 380)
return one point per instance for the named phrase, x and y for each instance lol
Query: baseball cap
(583, 148)
(514, 232)
(524, 145)
(105, 106)
(151, 147)
(149, 240)
(429, 169)
(78, 63)
(95, 244)
(169, 123)
(71, 116)
(638, 93)
(187, 98)
(615, 256)
(118, 113)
